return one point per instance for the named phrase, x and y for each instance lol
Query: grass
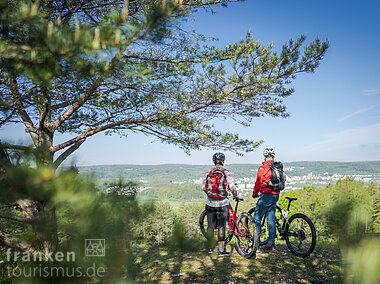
(162, 265)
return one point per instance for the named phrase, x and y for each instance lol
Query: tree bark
(44, 222)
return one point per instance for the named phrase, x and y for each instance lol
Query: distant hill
(180, 172)
(183, 182)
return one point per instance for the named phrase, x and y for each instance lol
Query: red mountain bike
(242, 227)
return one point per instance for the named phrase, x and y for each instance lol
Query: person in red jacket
(266, 205)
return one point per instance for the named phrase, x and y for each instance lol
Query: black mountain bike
(298, 230)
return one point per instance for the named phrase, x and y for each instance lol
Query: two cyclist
(216, 184)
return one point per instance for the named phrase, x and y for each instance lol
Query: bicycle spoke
(300, 241)
(246, 235)
(299, 245)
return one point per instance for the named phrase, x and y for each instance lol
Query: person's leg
(260, 211)
(271, 217)
(221, 236)
(221, 223)
(211, 223)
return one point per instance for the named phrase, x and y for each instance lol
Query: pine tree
(85, 67)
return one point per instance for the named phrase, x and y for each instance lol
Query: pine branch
(32, 129)
(67, 153)
(93, 130)
(7, 240)
(83, 99)
(16, 218)
(15, 147)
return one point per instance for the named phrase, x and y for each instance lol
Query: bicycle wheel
(203, 225)
(300, 235)
(264, 228)
(247, 239)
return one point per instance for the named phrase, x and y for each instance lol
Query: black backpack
(278, 178)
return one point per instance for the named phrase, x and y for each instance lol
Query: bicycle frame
(292, 230)
(285, 214)
(232, 218)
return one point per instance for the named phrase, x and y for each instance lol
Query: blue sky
(334, 112)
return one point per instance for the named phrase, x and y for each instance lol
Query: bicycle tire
(203, 227)
(264, 228)
(298, 229)
(202, 224)
(247, 244)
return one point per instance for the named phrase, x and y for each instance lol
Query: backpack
(216, 184)
(278, 178)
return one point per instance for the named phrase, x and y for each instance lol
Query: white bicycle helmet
(269, 152)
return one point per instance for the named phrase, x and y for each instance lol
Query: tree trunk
(48, 227)
(42, 212)
(44, 222)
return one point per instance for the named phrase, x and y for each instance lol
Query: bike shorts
(217, 216)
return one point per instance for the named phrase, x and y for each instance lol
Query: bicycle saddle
(290, 198)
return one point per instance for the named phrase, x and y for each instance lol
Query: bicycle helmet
(269, 152)
(218, 157)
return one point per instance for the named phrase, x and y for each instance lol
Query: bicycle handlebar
(238, 199)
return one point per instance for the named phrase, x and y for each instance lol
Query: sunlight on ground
(164, 266)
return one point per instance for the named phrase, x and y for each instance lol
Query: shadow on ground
(159, 265)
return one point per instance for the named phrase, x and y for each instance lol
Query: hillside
(183, 182)
(180, 172)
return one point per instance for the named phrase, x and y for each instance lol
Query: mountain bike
(298, 230)
(242, 227)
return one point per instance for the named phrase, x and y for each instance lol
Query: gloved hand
(255, 196)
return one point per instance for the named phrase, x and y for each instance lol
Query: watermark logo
(55, 264)
(40, 256)
(95, 247)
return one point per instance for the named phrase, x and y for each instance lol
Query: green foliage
(169, 191)
(121, 66)
(346, 213)
(351, 218)
(363, 261)
(165, 225)
(342, 210)
(39, 47)
(358, 201)
(376, 208)
(80, 212)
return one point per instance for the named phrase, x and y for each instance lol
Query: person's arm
(259, 184)
(231, 184)
(204, 182)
